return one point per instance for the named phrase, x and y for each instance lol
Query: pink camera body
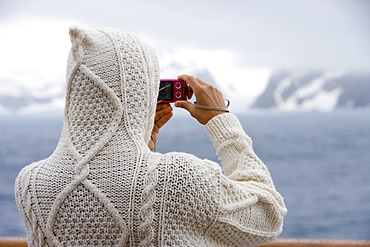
(171, 90)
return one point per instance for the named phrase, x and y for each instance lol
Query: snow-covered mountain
(37, 91)
(285, 90)
(315, 91)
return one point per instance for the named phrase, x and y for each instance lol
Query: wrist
(223, 127)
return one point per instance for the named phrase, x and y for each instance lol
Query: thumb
(184, 104)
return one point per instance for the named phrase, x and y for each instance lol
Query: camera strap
(213, 108)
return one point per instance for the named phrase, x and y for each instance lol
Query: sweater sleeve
(23, 199)
(251, 211)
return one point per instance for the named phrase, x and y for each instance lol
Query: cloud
(263, 33)
(34, 49)
(33, 62)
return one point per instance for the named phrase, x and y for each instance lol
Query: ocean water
(320, 163)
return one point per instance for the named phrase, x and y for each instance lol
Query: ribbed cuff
(223, 127)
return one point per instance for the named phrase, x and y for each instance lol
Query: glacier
(315, 90)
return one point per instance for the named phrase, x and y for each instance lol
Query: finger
(193, 83)
(203, 83)
(163, 111)
(162, 106)
(185, 104)
(189, 92)
(164, 119)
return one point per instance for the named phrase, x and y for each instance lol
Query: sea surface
(320, 163)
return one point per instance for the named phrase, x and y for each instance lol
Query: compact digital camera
(171, 91)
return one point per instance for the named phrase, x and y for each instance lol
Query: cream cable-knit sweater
(102, 186)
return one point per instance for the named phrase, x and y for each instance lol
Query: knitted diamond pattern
(96, 225)
(90, 112)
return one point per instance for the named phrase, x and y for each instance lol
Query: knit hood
(112, 79)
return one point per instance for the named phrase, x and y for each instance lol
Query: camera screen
(165, 91)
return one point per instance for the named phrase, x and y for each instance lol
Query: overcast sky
(264, 33)
(246, 35)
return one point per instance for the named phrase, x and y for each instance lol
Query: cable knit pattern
(102, 186)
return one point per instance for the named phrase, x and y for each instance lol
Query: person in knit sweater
(103, 186)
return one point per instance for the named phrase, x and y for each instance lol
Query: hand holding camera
(209, 100)
(209, 104)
